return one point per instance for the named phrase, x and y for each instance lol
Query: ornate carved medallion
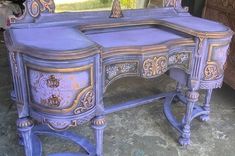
(86, 103)
(211, 72)
(53, 101)
(34, 9)
(155, 66)
(52, 82)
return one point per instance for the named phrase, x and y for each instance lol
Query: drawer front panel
(154, 66)
(64, 91)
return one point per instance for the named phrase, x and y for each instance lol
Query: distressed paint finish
(60, 74)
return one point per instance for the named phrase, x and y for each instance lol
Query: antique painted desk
(62, 64)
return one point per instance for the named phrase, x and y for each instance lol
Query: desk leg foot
(206, 106)
(24, 126)
(192, 98)
(99, 124)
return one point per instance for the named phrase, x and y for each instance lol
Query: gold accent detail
(164, 47)
(52, 82)
(46, 5)
(99, 121)
(211, 71)
(201, 39)
(62, 70)
(116, 11)
(192, 96)
(54, 124)
(155, 66)
(54, 101)
(87, 102)
(186, 30)
(24, 122)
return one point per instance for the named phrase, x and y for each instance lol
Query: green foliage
(85, 5)
(128, 4)
(94, 5)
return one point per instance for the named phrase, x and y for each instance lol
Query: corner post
(24, 126)
(192, 98)
(206, 106)
(99, 124)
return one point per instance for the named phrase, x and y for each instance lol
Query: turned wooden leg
(192, 97)
(99, 125)
(24, 126)
(206, 106)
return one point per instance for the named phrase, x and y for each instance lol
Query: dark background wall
(195, 6)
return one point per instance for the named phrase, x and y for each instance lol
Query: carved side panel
(158, 65)
(116, 70)
(216, 60)
(180, 60)
(224, 11)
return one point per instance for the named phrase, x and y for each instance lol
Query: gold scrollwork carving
(52, 82)
(155, 66)
(170, 3)
(86, 103)
(211, 71)
(47, 5)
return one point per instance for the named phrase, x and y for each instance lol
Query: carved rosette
(192, 96)
(211, 72)
(87, 102)
(155, 66)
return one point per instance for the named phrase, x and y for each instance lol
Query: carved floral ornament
(211, 71)
(155, 66)
(86, 103)
(35, 7)
(114, 70)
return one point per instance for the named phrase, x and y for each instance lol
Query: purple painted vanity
(62, 64)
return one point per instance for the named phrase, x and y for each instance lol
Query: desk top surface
(75, 32)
